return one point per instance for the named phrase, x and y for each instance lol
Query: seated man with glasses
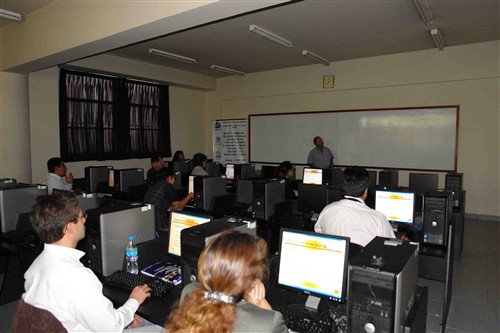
(59, 283)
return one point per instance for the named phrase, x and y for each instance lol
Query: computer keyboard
(126, 281)
(302, 320)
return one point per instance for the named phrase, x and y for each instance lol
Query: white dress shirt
(54, 181)
(58, 282)
(351, 217)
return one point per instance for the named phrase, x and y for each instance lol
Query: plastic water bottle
(132, 255)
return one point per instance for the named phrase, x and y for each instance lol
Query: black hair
(199, 158)
(355, 181)
(53, 163)
(176, 155)
(283, 168)
(156, 158)
(164, 173)
(314, 140)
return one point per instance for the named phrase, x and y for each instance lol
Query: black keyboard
(303, 320)
(127, 281)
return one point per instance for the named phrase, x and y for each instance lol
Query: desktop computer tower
(333, 177)
(266, 194)
(244, 191)
(382, 286)
(107, 231)
(205, 189)
(95, 175)
(194, 240)
(454, 183)
(388, 179)
(436, 216)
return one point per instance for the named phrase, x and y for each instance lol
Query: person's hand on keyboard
(256, 295)
(140, 293)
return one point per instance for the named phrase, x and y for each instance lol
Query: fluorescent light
(438, 39)
(172, 56)
(424, 10)
(10, 15)
(315, 57)
(227, 70)
(269, 35)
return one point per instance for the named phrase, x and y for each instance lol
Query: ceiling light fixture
(424, 10)
(269, 35)
(227, 70)
(10, 15)
(172, 56)
(438, 39)
(315, 57)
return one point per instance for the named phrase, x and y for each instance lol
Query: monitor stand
(312, 302)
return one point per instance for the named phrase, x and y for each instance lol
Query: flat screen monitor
(230, 171)
(313, 264)
(97, 175)
(312, 198)
(178, 222)
(421, 183)
(372, 174)
(182, 166)
(313, 176)
(398, 206)
(18, 200)
(268, 171)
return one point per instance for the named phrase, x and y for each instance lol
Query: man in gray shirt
(320, 157)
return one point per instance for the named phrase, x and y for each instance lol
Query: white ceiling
(336, 30)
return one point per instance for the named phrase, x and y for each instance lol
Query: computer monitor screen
(421, 183)
(372, 179)
(312, 198)
(191, 184)
(230, 171)
(313, 176)
(314, 264)
(96, 177)
(268, 171)
(178, 222)
(398, 206)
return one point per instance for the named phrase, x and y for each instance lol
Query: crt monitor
(230, 171)
(312, 176)
(397, 206)
(313, 264)
(178, 222)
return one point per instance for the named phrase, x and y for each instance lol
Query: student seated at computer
(178, 156)
(230, 295)
(58, 282)
(351, 217)
(199, 165)
(285, 171)
(154, 171)
(164, 197)
(57, 177)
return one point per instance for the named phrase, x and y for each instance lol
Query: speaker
(454, 183)
(436, 215)
(382, 282)
(388, 179)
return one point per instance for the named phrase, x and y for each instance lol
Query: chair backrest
(29, 319)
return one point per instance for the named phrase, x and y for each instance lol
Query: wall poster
(230, 142)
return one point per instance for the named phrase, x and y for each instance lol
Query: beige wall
(186, 122)
(14, 127)
(467, 76)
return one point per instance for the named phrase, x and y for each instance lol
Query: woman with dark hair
(199, 165)
(229, 296)
(178, 156)
(285, 171)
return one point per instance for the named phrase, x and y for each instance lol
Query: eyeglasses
(80, 218)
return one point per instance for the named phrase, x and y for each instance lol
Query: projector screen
(410, 138)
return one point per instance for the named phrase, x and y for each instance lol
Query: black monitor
(18, 200)
(397, 206)
(214, 168)
(312, 198)
(333, 177)
(372, 174)
(312, 176)
(240, 171)
(96, 175)
(178, 222)
(122, 179)
(182, 166)
(268, 171)
(421, 183)
(314, 264)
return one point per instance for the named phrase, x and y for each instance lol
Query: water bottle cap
(131, 237)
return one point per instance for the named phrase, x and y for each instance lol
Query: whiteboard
(409, 138)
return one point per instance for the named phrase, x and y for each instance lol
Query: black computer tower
(388, 179)
(244, 191)
(194, 239)
(436, 216)
(205, 189)
(244, 171)
(454, 183)
(267, 193)
(382, 286)
(95, 177)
